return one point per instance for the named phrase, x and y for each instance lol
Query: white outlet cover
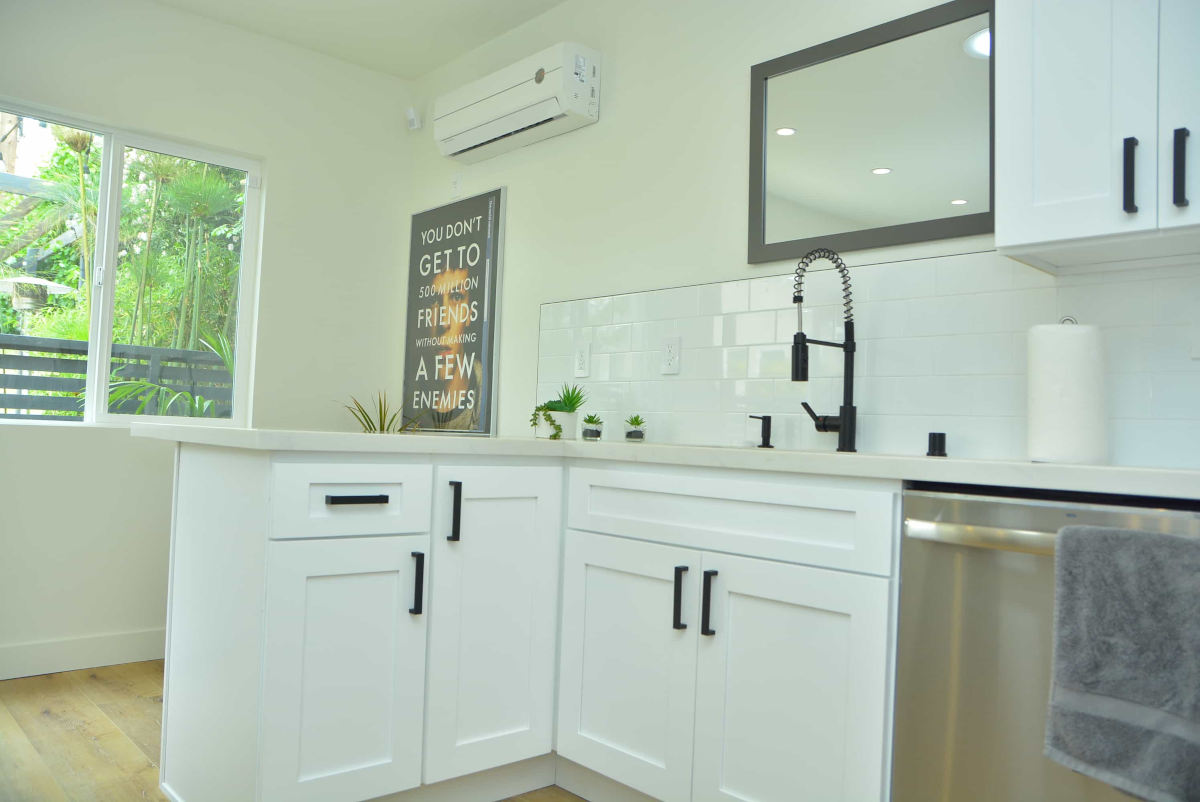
(582, 361)
(671, 356)
(456, 185)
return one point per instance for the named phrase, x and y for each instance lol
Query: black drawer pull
(418, 584)
(1179, 190)
(456, 518)
(338, 501)
(1127, 199)
(676, 623)
(706, 605)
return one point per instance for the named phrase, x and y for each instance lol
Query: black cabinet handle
(676, 623)
(456, 518)
(1178, 190)
(1127, 200)
(337, 501)
(419, 584)
(706, 605)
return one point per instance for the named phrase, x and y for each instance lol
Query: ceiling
(407, 38)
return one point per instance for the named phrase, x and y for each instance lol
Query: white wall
(654, 195)
(331, 137)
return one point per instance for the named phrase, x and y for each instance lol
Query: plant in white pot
(558, 418)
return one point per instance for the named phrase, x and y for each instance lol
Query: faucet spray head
(799, 357)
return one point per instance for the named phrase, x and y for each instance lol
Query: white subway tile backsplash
(610, 339)
(941, 347)
(724, 298)
(749, 328)
(771, 292)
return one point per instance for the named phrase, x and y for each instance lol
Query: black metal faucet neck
(845, 423)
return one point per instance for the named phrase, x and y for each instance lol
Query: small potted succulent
(557, 419)
(593, 427)
(635, 428)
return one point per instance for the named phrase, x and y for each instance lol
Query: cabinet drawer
(334, 499)
(794, 519)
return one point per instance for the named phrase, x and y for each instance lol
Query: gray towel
(1125, 693)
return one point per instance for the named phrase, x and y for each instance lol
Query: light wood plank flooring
(93, 736)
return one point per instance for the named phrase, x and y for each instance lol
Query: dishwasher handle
(1028, 541)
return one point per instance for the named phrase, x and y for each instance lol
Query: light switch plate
(583, 360)
(670, 356)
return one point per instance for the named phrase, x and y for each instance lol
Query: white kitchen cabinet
(1179, 111)
(1083, 92)
(791, 684)
(627, 675)
(494, 620)
(782, 696)
(344, 668)
(1074, 79)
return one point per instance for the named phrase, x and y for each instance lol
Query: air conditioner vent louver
(512, 107)
(510, 133)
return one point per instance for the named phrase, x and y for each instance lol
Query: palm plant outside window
(162, 334)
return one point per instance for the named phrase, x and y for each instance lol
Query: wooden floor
(94, 735)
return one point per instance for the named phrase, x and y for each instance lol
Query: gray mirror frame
(759, 249)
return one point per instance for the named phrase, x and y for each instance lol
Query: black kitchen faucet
(845, 423)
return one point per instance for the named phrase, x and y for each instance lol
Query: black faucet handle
(824, 423)
(766, 430)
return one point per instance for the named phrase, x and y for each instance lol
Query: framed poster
(450, 348)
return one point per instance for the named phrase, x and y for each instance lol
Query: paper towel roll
(1068, 419)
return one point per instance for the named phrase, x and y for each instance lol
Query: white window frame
(108, 218)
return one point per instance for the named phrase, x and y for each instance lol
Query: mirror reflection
(894, 134)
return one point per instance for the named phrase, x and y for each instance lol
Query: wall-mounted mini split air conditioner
(547, 94)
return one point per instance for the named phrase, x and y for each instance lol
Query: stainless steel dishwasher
(976, 620)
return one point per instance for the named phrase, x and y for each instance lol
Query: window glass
(179, 261)
(49, 185)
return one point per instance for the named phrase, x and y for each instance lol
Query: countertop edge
(1170, 483)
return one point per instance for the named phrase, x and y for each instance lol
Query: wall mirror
(882, 137)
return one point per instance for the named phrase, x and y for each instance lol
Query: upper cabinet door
(628, 665)
(344, 684)
(1076, 82)
(494, 617)
(1179, 113)
(791, 690)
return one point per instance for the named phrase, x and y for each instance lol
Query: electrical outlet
(670, 356)
(456, 185)
(583, 360)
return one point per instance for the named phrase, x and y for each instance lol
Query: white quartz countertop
(1084, 478)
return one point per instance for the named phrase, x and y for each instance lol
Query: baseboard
(592, 786)
(68, 654)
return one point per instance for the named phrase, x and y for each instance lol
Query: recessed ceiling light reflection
(882, 170)
(785, 131)
(958, 202)
(979, 44)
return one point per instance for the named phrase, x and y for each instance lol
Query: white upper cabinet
(1179, 113)
(1075, 81)
(1085, 93)
(493, 610)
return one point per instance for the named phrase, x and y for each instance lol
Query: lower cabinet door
(628, 666)
(494, 617)
(791, 686)
(344, 684)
